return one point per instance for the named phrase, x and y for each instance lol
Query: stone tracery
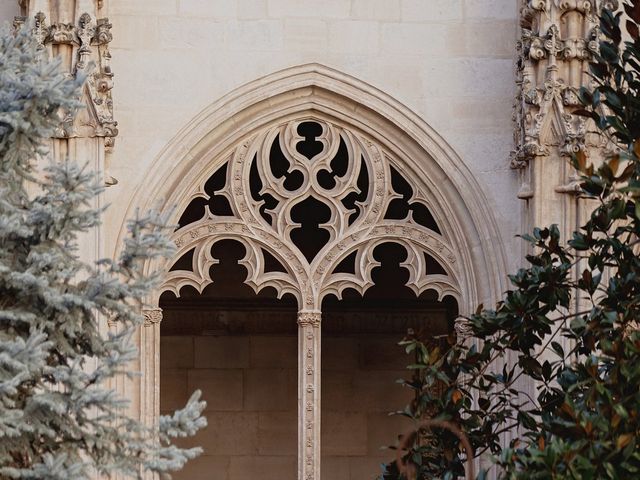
(314, 199)
(366, 202)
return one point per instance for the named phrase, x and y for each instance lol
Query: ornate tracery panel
(310, 201)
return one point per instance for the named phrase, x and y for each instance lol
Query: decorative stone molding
(463, 329)
(309, 319)
(152, 316)
(354, 227)
(558, 38)
(89, 39)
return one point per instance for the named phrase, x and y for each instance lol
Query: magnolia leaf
(624, 440)
(613, 163)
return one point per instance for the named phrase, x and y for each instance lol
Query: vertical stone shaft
(150, 356)
(308, 395)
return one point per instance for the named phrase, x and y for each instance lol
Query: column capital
(152, 316)
(311, 319)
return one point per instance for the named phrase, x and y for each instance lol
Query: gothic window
(317, 214)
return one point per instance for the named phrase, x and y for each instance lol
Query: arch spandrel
(354, 228)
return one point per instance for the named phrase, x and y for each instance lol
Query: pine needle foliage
(59, 418)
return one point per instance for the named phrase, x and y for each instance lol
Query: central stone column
(309, 395)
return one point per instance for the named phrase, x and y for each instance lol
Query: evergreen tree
(58, 417)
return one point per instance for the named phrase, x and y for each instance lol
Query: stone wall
(8, 10)
(250, 384)
(451, 61)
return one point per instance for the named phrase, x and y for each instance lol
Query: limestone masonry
(339, 171)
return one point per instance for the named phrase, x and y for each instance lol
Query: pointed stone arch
(388, 136)
(317, 91)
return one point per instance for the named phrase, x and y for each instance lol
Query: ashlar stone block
(432, 11)
(221, 389)
(230, 433)
(263, 468)
(278, 433)
(173, 383)
(270, 390)
(274, 352)
(176, 352)
(221, 352)
(382, 10)
(344, 434)
(205, 467)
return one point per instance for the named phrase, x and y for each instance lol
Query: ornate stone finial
(152, 316)
(40, 30)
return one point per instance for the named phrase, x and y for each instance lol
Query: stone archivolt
(353, 226)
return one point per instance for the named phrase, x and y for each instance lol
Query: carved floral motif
(152, 316)
(311, 319)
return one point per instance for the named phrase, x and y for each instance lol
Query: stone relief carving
(313, 194)
(89, 40)
(152, 316)
(557, 40)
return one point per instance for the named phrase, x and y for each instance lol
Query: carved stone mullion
(309, 395)
(238, 189)
(381, 192)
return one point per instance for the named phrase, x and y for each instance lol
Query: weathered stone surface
(344, 434)
(222, 389)
(174, 389)
(264, 468)
(277, 433)
(274, 352)
(268, 389)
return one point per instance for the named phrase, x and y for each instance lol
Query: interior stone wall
(250, 385)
